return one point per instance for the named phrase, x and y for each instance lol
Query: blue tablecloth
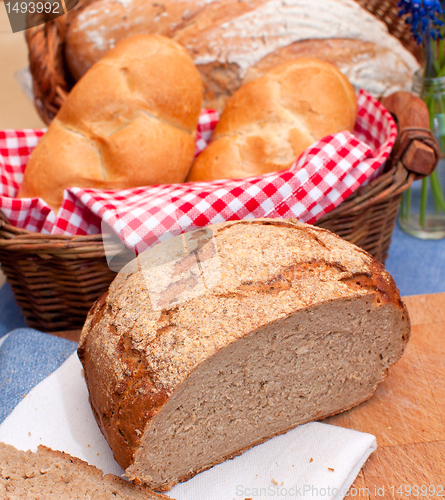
(26, 358)
(418, 266)
(10, 314)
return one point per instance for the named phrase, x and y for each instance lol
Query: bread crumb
(331, 469)
(311, 460)
(274, 482)
(29, 433)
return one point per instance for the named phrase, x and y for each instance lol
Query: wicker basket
(56, 279)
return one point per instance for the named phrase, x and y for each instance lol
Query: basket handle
(416, 147)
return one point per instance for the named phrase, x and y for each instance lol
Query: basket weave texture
(56, 279)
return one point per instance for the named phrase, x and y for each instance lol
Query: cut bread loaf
(130, 121)
(270, 121)
(263, 326)
(49, 474)
(227, 37)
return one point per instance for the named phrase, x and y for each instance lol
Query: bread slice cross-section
(49, 474)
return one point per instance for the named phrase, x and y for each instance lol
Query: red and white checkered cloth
(324, 175)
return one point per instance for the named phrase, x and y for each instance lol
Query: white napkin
(315, 460)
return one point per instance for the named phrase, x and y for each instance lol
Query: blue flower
(424, 16)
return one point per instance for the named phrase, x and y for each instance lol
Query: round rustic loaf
(270, 121)
(130, 121)
(227, 37)
(368, 65)
(222, 338)
(98, 25)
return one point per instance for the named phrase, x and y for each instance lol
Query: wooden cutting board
(407, 415)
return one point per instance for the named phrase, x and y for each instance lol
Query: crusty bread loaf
(130, 121)
(264, 326)
(98, 25)
(50, 474)
(370, 66)
(268, 122)
(227, 37)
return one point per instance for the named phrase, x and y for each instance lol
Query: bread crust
(136, 358)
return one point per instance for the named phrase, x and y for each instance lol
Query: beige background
(16, 110)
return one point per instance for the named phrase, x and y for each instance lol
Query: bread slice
(49, 474)
(277, 323)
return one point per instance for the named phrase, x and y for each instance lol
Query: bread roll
(227, 37)
(270, 121)
(50, 474)
(130, 121)
(264, 326)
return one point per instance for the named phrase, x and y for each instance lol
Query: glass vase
(422, 210)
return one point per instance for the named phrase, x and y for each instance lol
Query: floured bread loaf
(270, 121)
(130, 121)
(100, 24)
(53, 474)
(264, 325)
(227, 37)
(368, 65)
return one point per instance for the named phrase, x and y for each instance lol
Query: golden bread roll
(271, 120)
(130, 121)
